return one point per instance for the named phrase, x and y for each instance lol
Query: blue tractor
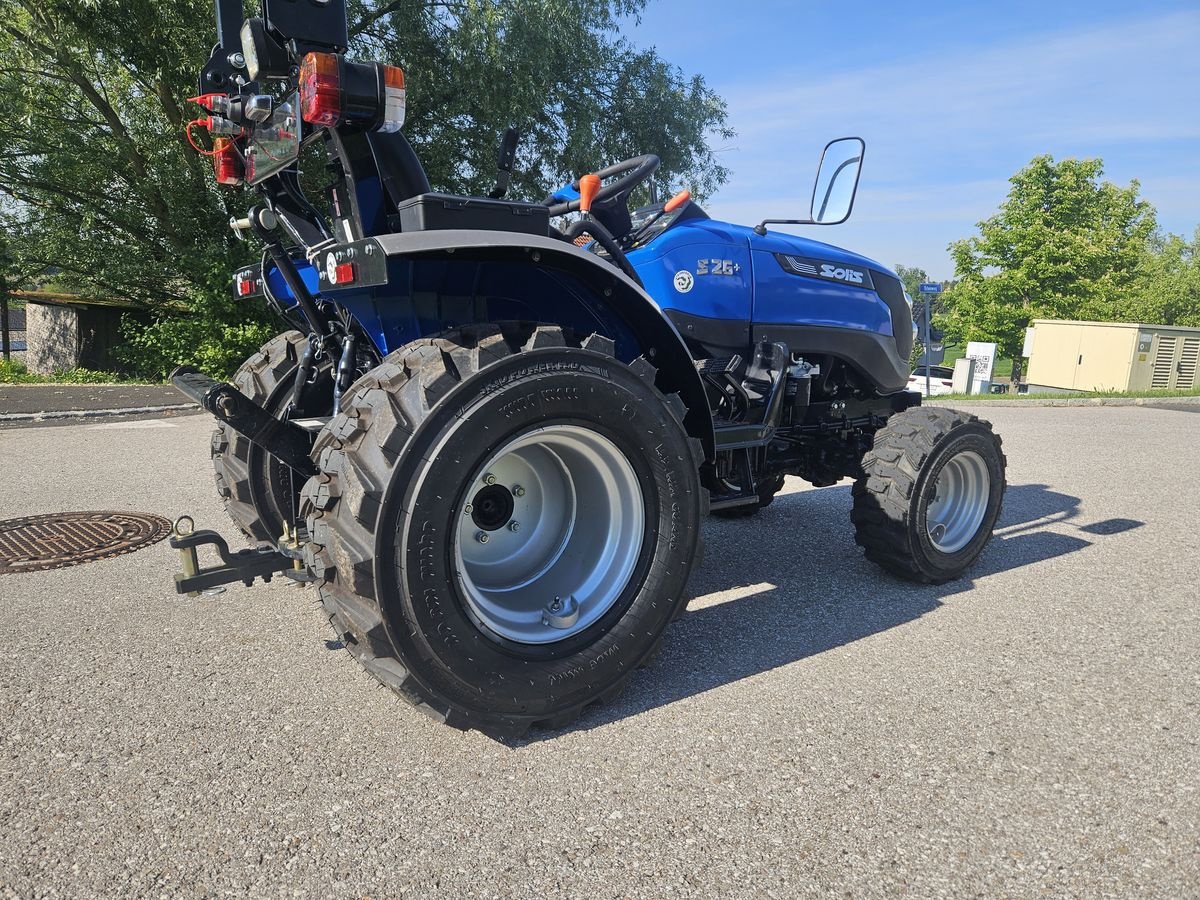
(493, 428)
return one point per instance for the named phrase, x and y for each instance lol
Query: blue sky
(952, 99)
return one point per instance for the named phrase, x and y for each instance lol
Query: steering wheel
(629, 174)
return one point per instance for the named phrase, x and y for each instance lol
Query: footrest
(718, 365)
(243, 565)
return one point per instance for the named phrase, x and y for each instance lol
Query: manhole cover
(70, 538)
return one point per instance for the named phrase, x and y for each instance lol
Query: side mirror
(835, 187)
(837, 181)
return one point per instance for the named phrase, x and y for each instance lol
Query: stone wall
(52, 335)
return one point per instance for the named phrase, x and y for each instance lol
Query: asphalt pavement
(812, 727)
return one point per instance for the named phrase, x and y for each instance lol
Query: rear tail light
(247, 286)
(227, 161)
(320, 89)
(334, 91)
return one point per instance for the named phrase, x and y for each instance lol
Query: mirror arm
(761, 228)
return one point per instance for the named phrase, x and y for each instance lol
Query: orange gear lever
(677, 201)
(589, 187)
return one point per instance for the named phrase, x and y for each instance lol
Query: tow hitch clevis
(241, 565)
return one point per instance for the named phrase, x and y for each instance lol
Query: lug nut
(489, 478)
(518, 491)
(469, 508)
(514, 526)
(482, 537)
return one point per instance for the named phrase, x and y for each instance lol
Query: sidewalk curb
(92, 413)
(1062, 401)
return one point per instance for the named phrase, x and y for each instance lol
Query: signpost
(928, 289)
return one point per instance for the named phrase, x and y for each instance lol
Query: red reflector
(246, 287)
(227, 161)
(344, 273)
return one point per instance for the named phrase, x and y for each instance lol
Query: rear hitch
(242, 565)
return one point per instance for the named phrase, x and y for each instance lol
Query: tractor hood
(807, 248)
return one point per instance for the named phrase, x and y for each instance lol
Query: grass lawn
(14, 372)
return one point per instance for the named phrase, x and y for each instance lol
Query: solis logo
(853, 276)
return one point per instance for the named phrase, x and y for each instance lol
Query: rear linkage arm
(285, 440)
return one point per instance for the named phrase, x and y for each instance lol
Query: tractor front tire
(504, 523)
(258, 491)
(930, 494)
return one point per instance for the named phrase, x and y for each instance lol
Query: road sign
(929, 288)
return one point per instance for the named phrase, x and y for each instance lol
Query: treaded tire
(252, 485)
(900, 473)
(393, 474)
(766, 496)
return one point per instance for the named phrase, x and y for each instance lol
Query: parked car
(941, 380)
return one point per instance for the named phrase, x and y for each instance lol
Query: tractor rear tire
(767, 489)
(930, 494)
(258, 491)
(504, 523)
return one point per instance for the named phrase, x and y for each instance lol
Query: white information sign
(985, 358)
(984, 355)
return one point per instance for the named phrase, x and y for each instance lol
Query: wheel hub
(492, 507)
(959, 502)
(550, 535)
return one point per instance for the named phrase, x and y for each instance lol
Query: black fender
(614, 304)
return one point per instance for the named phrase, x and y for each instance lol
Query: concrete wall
(52, 333)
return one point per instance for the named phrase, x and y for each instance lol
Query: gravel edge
(92, 413)
(1061, 401)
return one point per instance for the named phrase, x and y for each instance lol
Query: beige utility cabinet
(1112, 356)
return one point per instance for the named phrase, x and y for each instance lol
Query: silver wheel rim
(553, 562)
(959, 503)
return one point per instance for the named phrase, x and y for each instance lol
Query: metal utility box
(1112, 356)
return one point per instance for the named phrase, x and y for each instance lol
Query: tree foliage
(912, 277)
(557, 70)
(1064, 245)
(99, 186)
(1169, 292)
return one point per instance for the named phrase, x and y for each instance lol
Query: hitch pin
(184, 526)
(239, 226)
(291, 540)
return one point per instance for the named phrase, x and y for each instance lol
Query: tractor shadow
(791, 584)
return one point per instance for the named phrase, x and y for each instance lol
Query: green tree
(1170, 291)
(1064, 245)
(98, 182)
(912, 277)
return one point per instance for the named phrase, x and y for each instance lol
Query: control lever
(504, 162)
(669, 207)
